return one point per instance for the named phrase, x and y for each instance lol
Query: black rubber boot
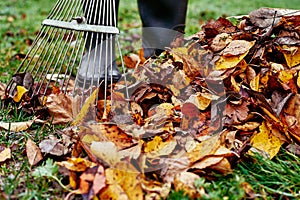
(163, 21)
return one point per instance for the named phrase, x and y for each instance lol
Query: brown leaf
(60, 107)
(185, 181)
(220, 41)
(57, 147)
(132, 60)
(5, 153)
(16, 126)
(155, 187)
(92, 181)
(33, 152)
(2, 90)
(235, 113)
(222, 25)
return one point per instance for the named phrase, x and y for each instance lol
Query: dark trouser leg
(162, 21)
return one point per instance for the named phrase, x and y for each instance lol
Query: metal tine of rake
(59, 47)
(104, 49)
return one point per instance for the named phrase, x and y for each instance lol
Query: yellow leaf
(254, 83)
(77, 164)
(200, 100)
(89, 138)
(20, 92)
(265, 141)
(165, 148)
(229, 62)
(285, 76)
(124, 175)
(85, 108)
(113, 192)
(291, 55)
(5, 154)
(153, 145)
(205, 148)
(233, 54)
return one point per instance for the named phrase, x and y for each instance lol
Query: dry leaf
(16, 126)
(89, 102)
(106, 151)
(60, 107)
(2, 90)
(92, 181)
(20, 92)
(77, 164)
(185, 181)
(220, 41)
(233, 54)
(155, 187)
(114, 192)
(200, 101)
(5, 153)
(266, 141)
(33, 152)
(203, 149)
(223, 166)
(127, 177)
(55, 146)
(132, 60)
(291, 54)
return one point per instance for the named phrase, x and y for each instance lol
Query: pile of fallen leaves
(191, 112)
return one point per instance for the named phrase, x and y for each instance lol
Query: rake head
(74, 53)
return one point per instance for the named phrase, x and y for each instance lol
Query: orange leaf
(92, 181)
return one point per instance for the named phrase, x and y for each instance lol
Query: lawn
(19, 22)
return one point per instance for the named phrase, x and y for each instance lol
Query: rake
(77, 36)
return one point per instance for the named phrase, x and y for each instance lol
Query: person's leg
(99, 60)
(163, 21)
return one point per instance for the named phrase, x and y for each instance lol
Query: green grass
(19, 22)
